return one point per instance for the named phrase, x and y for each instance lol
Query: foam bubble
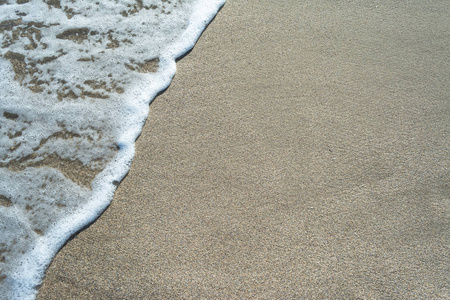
(76, 79)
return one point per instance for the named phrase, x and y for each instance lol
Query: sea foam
(76, 79)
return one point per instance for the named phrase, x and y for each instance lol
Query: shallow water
(76, 81)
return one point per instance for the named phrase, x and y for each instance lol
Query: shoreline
(300, 151)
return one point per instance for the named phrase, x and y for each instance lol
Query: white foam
(76, 80)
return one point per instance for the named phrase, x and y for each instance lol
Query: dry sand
(302, 151)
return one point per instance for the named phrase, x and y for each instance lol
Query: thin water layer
(76, 78)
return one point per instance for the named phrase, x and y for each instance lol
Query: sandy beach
(301, 152)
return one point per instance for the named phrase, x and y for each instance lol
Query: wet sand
(302, 151)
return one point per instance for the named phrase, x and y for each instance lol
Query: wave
(76, 80)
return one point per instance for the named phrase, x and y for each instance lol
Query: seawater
(76, 80)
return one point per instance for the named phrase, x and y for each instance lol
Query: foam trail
(76, 79)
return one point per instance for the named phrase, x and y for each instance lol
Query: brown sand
(302, 151)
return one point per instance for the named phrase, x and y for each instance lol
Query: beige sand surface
(302, 151)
